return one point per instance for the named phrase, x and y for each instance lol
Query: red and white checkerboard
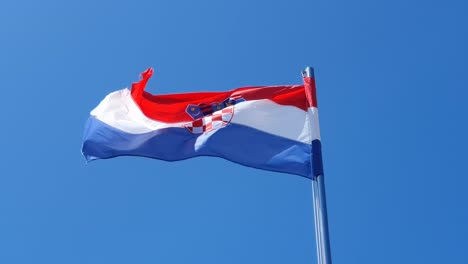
(217, 120)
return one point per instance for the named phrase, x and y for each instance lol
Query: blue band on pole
(316, 158)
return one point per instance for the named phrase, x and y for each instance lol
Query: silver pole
(319, 199)
(321, 220)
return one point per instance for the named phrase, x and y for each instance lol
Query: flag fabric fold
(266, 127)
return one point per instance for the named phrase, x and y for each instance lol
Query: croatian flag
(266, 127)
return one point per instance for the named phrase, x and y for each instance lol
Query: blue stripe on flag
(237, 143)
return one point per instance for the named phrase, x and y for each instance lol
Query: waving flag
(267, 127)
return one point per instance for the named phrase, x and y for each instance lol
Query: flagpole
(318, 184)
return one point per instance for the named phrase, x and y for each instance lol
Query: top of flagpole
(308, 72)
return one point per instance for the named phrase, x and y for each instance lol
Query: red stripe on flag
(171, 108)
(310, 90)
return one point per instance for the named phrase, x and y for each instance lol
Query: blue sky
(392, 91)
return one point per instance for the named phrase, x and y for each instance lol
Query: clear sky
(392, 90)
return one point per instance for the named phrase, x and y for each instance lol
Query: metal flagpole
(321, 220)
(318, 184)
